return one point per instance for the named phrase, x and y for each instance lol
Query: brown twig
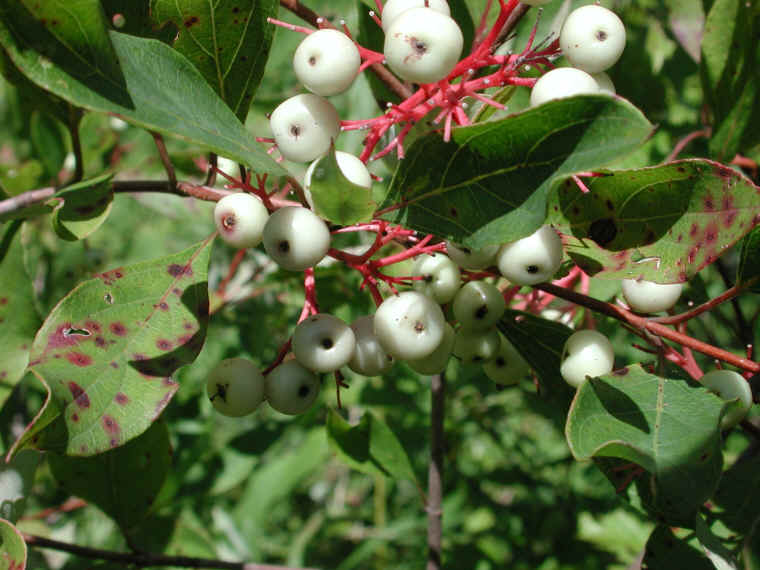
(708, 305)
(145, 559)
(681, 144)
(310, 16)
(435, 472)
(211, 174)
(644, 325)
(165, 159)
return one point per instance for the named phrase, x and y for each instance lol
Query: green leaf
(370, 446)
(662, 223)
(73, 36)
(123, 482)
(540, 342)
(49, 139)
(108, 350)
(335, 197)
(158, 81)
(12, 547)
(729, 73)
(715, 550)
(228, 41)
(491, 181)
(669, 427)
(687, 20)
(749, 259)
(18, 317)
(665, 551)
(739, 493)
(83, 207)
(16, 480)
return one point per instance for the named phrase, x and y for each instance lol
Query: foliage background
(267, 487)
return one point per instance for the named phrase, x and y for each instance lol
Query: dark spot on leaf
(3, 300)
(681, 169)
(114, 364)
(163, 344)
(100, 342)
(121, 399)
(109, 277)
(118, 328)
(78, 359)
(235, 9)
(620, 372)
(610, 205)
(110, 425)
(175, 270)
(603, 231)
(177, 291)
(453, 212)
(693, 230)
(114, 442)
(191, 21)
(188, 326)
(709, 205)
(163, 305)
(80, 397)
(693, 254)
(75, 417)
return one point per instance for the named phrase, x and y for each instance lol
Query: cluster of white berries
(592, 39)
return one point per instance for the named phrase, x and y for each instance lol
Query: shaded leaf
(662, 223)
(123, 482)
(665, 551)
(739, 493)
(669, 427)
(158, 80)
(540, 342)
(370, 446)
(83, 207)
(715, 550)
(491, 181)
(12, 547)
(228, 41)
(749, 259)
(49, 140)
(335, 197)
(18, 317)
(108, 350)
(16, 480)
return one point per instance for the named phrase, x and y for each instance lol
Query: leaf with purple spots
(108, 350)
(663, 223)
(123, 482)
(18, 317)
(83, 207)
(13, 551)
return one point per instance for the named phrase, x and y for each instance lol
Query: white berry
(649, 297)
(532, 259)
(240, 219)
(409, 325)
(592, 38)
(562, 82)
(350, 166)
(604, 82)
(508, 366)
(235, 387)
(476, 346)
(291, 388)
(303, 127)
(478, 305)
(586, 353)
(326, 62)
(730, 385)
(468, 258)
(441, 277)
(370, 358)
(323, 343)
(436, 361)
(296, 238)
(423, 45)
(392, 9)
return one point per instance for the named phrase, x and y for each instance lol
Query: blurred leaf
(12, 547)
(108, 349)
(16, 480)
(662, 223)
(729, 73)
(18, 316)
(370, 446)
(718, 554)
(749, 259)
(687, 22)
(540, 342)
(83, 208)
(667, 426)
(665, 551)
(123, 482)
(491, 181)
(461, 15)
(49, 140)
(20, 178)
(336, 198)
(134, 18)
(158, 80)
(228, 41)
(72, 36)
(739, 493)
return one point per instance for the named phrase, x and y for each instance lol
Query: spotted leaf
(663, 223)
(108, 350)
(12, 547)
